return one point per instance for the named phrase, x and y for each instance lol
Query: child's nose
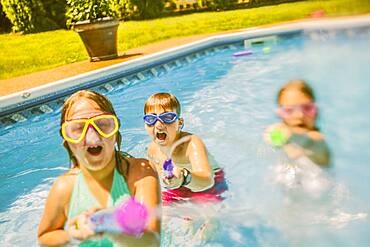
(92, 136)
(159, 123)
(297, 113)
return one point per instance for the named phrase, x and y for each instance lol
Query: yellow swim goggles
(74, 130)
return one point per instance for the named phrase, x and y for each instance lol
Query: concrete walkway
(28, 81)
(32, 80)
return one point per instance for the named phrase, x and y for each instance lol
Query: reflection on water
(302, 176)
(229, 101)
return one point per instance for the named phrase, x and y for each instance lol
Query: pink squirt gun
(130, 217)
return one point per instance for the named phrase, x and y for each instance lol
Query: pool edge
(27, 98)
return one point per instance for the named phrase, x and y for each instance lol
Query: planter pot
(99, 37)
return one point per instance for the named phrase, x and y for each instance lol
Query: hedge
(28, 16)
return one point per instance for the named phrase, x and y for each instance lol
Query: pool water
(229, 101)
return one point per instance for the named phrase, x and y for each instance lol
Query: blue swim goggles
(166, 117)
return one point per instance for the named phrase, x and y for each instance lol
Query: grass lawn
(23, 54)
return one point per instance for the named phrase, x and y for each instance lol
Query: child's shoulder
(316, 135)
(140, 165)
(63, 185)
(68, 178)
(193, 141)
(152, 148)
(195, 138)
(186, 138)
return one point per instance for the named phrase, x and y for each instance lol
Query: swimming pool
(228, 101)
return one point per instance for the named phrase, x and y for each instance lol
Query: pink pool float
(243, 53)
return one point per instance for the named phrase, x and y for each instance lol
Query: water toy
(266, 49)
(318, 13)
(130, 217)
(243, 53)
(278, 138)
(168, 168)
(168, 164)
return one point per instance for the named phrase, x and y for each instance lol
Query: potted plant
(95, 22)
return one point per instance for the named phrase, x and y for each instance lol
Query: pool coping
(18, 101)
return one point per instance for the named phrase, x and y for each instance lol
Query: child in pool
(196, 175)
(101, 177)
(297, 134)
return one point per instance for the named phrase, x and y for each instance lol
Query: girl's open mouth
(95, 150)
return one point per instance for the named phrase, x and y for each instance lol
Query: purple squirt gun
(129, 217)
(168, 169)
(168, 165)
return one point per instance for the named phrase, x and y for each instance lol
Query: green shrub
(222, 4)
(89, 10)
(27, 16)
(139, 9)
(146, 9)
(170, 5)
(256, 3)
(56, 11)
(5, 25)
(124, 9)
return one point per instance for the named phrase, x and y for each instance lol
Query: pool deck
(21, 83)
(32, 80)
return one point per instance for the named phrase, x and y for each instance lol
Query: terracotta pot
(99, 37)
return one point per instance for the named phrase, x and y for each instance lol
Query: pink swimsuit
(184, 194)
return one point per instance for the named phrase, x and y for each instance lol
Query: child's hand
(80, 226)
(311, 144)
(175, 181)
(293, 151)
(299, 130)
(277, 135)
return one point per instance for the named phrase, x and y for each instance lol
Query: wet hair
(163, 100)
(299, 85)
(104, 104)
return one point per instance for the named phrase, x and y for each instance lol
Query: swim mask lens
(166, 117)
(74, 130)
(309, 109)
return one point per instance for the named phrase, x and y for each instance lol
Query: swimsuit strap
(82, 199)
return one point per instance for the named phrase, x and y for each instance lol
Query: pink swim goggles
(308, 109)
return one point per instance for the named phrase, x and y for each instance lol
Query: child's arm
(311, 144)
(51, 229)
(151, 156)
(297, 142)
(201, 173)
(199, 178)
(147, 190)
(145, 185)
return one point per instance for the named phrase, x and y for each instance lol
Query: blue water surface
(229, 101)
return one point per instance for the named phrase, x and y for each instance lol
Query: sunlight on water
(229, 101)
(19, 223)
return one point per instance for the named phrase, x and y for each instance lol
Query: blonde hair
(163, 100)
(104, 104)
(299, 85)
